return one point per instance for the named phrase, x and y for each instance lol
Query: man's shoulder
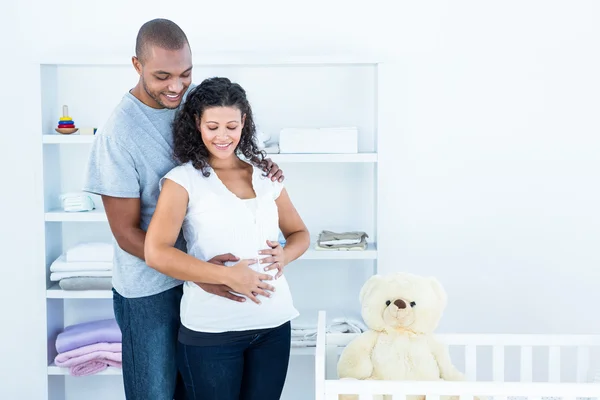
(120, 125)
(187, 92)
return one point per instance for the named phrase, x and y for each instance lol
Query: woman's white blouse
(219, 222)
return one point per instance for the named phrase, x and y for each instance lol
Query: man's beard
(156, 98)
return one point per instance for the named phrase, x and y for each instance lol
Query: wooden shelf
(74, 138)
(324, 158)
(369, 254)
(277, 157)
(55, 292)
(54, 370)
(97, 215)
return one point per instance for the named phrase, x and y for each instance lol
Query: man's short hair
(159, 32)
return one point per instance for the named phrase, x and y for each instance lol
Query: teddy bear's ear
(438, 290)
(369, 284)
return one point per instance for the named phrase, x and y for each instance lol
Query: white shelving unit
(335, 192)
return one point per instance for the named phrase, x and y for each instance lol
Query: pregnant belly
(258, 267)
(207, 312)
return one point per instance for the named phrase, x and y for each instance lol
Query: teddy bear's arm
(355, 361)
(448, 371)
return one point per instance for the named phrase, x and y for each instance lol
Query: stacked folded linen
(90, 251)
(354, 240)
(90, 347)
(86, 266)
(304, 327)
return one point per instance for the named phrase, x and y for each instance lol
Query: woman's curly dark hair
(187, 140)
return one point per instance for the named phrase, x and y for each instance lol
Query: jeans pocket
(119, 308)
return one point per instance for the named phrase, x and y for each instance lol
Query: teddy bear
(401, 310)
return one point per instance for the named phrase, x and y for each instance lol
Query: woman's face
(221, 130)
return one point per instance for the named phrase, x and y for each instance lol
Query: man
(129, 156)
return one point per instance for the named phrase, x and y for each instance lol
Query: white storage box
(318, 140)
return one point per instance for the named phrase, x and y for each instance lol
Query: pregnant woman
(228, 350)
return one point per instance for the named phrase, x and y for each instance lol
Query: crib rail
(330, 345)
(465, 390)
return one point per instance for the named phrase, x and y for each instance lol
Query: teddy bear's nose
(400, 303)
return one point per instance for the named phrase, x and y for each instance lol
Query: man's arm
(124, 220)
(112, 173)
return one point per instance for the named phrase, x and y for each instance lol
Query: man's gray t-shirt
(130, 154)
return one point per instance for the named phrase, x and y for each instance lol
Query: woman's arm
(161, 254)
(291, 225)
(295, 232)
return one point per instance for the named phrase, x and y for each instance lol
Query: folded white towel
(90, 251)
(57, 276)
(61, 265)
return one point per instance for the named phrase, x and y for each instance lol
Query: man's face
(166, 75)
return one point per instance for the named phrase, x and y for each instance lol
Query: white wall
(496, 164)
(492, 176)
(22, 302)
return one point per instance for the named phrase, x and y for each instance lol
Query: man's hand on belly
(221, 290)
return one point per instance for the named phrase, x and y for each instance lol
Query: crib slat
(466, 397)
(432, 397)
(367, 396)
(583, 363)
(526, 364)
(331, 358)
(395, 396)
(471, 362)
(554, 364)
(498, 359)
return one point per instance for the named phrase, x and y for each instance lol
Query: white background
(491, 180)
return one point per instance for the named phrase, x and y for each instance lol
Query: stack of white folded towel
(304, 327)
(85, 266)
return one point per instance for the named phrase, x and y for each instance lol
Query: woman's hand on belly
(248, 282)
(275, 258)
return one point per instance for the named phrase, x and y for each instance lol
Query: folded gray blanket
(355, 240)
(326, 236)
(86, 283)
(358, 246)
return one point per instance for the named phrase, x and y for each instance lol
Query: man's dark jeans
(149, 326)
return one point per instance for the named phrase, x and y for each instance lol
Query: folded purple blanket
(89, 360)
(87, 333)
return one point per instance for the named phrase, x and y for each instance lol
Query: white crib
(545, 366)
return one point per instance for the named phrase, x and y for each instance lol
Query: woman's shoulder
(266, 185)
(185, 175)
(179, 170)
